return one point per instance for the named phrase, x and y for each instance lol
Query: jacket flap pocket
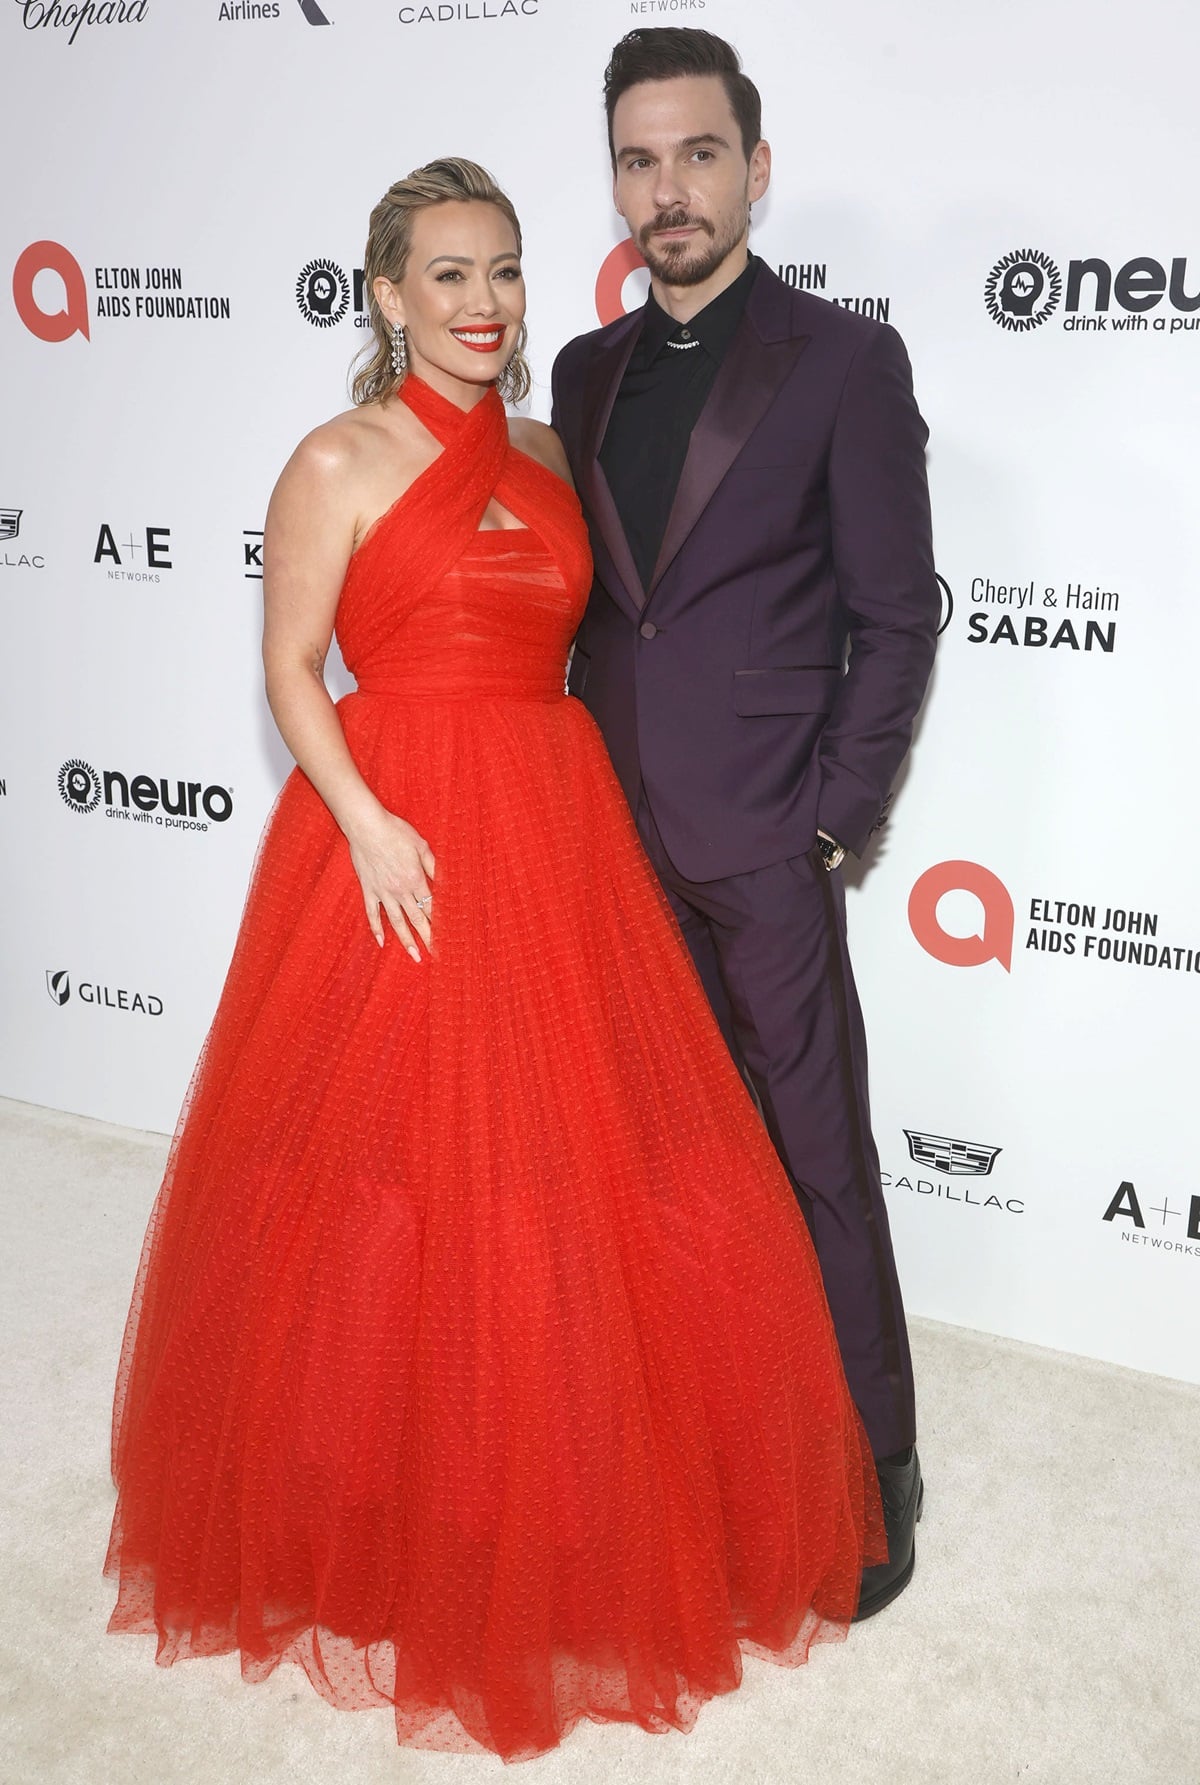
(803, 690)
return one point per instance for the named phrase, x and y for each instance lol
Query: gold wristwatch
(833, 854)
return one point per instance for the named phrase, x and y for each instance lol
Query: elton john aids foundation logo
(966, 942)
(1023, 289)
(51, 315)
(610, 283)
(51, 294)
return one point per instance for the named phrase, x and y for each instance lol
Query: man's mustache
(672, 220)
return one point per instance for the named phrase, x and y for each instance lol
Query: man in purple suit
(757, 643)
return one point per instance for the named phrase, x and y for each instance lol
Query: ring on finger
(427, 900)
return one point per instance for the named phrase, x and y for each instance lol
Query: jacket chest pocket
(804, 689)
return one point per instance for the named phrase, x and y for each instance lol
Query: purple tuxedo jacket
(764, 686)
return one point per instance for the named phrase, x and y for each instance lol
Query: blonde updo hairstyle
(389, 242)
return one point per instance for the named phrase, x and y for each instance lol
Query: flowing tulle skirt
(478, 1359)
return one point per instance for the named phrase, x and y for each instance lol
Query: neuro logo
(953, 1158)
(610, 283)
(1022, 290)
(993, 942)
(947, 604)
(313, 13)
(51, 325)
(79, 785)
(58, 985)
(323, 293)
(173, 805)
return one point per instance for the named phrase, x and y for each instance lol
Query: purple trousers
(770, 948)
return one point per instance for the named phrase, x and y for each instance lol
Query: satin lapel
(600, 391)
(751, 375)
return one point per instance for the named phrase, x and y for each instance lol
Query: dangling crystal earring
(399, 351)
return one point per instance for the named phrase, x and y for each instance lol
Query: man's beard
(687, 263)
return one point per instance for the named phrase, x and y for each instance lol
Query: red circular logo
(51, 325)
(618, 265)
(993, 943)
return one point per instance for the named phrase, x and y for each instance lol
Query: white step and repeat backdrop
(185, 205)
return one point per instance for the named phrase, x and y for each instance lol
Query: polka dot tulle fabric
(478, 1360)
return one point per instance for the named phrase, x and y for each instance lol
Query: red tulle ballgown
(478, 1359)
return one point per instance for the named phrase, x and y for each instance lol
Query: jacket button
(648, 629)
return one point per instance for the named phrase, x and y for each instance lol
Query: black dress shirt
(664, 389)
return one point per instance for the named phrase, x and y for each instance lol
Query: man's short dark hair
(663, 53)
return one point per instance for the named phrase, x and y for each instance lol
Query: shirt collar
(713, 326)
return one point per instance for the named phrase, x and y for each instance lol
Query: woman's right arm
(308, 540)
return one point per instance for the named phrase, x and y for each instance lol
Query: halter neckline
(436, 411)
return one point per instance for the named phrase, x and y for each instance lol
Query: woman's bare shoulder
(537, 441)
(343, 458)
(339, 444)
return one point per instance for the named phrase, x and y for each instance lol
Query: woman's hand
(328, 485)
(395, 866)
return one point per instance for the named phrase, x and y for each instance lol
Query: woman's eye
(451, 273)
(509, 273)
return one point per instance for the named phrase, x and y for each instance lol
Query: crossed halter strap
(415, 543)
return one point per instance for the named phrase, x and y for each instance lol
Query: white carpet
(1050, 1634)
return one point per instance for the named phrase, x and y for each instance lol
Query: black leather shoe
(903, 1494)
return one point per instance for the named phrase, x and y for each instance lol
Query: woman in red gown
(478, 1359)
